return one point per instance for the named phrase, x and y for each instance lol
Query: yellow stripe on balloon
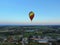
(31, 14)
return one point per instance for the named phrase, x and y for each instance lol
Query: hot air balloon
(31, 15)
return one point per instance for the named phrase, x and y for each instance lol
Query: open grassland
(21, 44)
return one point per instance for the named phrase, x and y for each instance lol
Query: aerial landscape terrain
(30, 35)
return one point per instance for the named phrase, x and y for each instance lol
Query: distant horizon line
(26, 24)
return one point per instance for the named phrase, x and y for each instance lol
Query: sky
(17, 12)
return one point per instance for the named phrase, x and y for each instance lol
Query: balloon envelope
(31, 15)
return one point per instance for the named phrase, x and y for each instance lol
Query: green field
(21, 44)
